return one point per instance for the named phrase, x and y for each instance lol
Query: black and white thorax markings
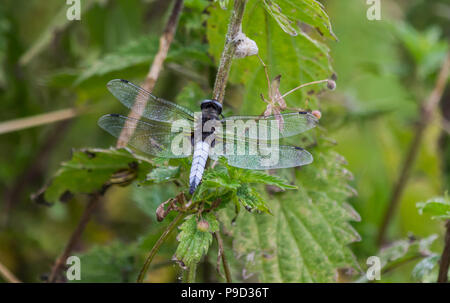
(242, 140)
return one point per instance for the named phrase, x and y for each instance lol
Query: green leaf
(251, 199)
(141, 52)
(191, 95)
(193, 242)
(298, 59)
(255, 176)
(148, 198)
(163, 174)
(305, 240)
(219, 178)
(423, 271)
(90, 169)
(114, 263)
(135, 53)
(288, 13)
(438, 207)
(427, 48)
(223, 3)
(198, 5)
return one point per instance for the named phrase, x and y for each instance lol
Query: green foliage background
(384, 69)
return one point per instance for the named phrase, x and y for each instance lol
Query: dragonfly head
(209, 105)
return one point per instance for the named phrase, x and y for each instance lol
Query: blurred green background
(385, 69)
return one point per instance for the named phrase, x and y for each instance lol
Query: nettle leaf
(114, 263)
(249, 176)
(251, 199)
(190, 95)
(305, 240)
(163, 174)
(299, 59)
(438, 207)
(257, 176)
(236, 184)
(219, 179)
(148, 198)
(195, 243)
(288, 13)
(90, 169)
(141, 52)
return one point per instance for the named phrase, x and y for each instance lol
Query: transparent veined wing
(267, 128)
(146, 104)
(154, 138)
(255, 154)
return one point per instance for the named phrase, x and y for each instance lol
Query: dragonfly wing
(268, 128)
(152, 138)
(254, 154)
(144, 103)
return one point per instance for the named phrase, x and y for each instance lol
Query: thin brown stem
(444, 264)
(266, 72)
(226, 59)
(226, 267)
(158, 244)
(37, 120)
(428, 108)
(7, 275)
(149, 84)
(74, 238)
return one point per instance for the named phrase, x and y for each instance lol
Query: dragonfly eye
(212, 103)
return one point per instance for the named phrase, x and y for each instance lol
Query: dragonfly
(249, 142)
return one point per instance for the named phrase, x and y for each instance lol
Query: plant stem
(158, 244)
(191, 273)
(234, 28)
(37, 120)
(7, 275)
(149, 84)
(74, 239)
(428, 107)
(226, 267)
(445, 258)
(304, 85)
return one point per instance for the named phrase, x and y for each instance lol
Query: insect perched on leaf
(168, 130)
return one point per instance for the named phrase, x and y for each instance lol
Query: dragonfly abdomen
(201, 151)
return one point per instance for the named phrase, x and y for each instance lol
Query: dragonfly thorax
(205, 127)
(212, 106)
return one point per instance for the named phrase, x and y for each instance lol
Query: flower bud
(316, 114)
(203, 225)
(331, 84)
